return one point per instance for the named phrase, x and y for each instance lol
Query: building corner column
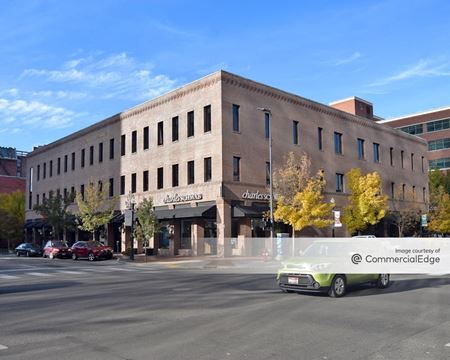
(223, 228)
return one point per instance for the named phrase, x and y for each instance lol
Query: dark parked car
(92, 250)
(27, 249)
(57, 248)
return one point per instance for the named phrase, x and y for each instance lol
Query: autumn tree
(12, 217)
(406, 210)
(54, 210)
(366, 205)
(147, 223)
(440, 213)
(307, 207)
(95, 209)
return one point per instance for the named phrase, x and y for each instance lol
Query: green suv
(302, 274)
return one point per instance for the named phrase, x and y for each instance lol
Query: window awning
(206, 211)
(254, 211)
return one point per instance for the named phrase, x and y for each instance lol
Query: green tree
(307, 208)
(96, 208)
(12, 217)
(54, 210)
(366, 206)
(147, 223)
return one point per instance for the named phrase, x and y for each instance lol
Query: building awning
(254, 211)
(117, 218)
(206, 211)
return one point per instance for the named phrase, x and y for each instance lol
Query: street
(62, 309)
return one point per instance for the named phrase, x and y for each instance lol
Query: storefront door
(186, 234)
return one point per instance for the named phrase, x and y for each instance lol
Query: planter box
(163, 252)
(185, 252)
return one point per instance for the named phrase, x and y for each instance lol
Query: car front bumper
(300, 283)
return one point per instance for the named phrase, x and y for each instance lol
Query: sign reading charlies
(256, 195)
(176, 198)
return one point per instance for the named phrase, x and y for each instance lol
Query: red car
(92, 250)
(56, 248)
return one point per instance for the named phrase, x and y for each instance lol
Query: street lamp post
(269, 114)
(332, 201)
(130, 205)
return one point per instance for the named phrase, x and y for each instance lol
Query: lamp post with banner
(129, 220)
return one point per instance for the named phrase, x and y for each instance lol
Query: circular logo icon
(356, 259)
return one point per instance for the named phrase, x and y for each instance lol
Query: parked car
(92, 250)
(27, 249)
(56, 248)
(297, 274)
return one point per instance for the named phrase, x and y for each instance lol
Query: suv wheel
(51, 256)
(28, 254)
(91, 256)
(74, 256)
(17, 253)
(338, 286)
(383, 281)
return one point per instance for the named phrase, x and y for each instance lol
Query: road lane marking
(120, 269)
(8, 277)
(3, 347)
(448, 345)
(39, 274)
(71, 272)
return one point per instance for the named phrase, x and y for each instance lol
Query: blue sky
(67, 64)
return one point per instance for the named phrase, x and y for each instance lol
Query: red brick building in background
(434, 127)
(12, 170)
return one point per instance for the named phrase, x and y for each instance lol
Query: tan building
(201, 152)
(434, 127)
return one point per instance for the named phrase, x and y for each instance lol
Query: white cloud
(35, 114)
(69, 95)
(424, 68)
(356, 55)
(114, 76)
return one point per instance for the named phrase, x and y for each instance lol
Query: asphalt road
(61, 309)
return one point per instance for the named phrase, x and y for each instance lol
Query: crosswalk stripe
(120, 269)
(39, 274)
(72, 272)
(8, 277)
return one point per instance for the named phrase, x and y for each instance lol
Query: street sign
(423, 220)
(337, 218)
(128, 217)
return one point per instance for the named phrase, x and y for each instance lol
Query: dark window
(38, 172)
(50, 166)
(361, 154)
(235, 117)
(123, 140)
(267, 173)
(402, 153)
(146, 140)
(65, 193)
(412, 161)
(337, 143)
(320, 138)
(207, 168)
(175, 181)
(413, 129)
(82, 191)
(72, 193)
(207, 118)
(439, 144)
(266, 125)
(391, 156)
(58, 166)
(43, 197)
(134, 141)
(190, 172)
(111, 187)
(44, 171)
(37, 199)
(122, 185)
(438, 125)
(403, 191)
(65, 163)
(160, 180)
(442, 163)
(424, 196)
(91, 155)
(376, 152)
(133, 183)
(83, 153)
(175, 128)
(295, 132)
(339, 182)
(236, 168)
(393, 190)
(100, 152)
(160, 133)
(145, 180)
(111, 149)
(30, 200)
(423, 164)
(73, 161)
(190, 124)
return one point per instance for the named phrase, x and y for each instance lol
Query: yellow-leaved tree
(367, 206)
(306, 208)
(440, 214)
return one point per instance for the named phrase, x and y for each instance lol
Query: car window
(28, 246)
(20, 246)
(48, 244)
(92, 244)
(59, 244)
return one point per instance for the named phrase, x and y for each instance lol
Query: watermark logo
(356, 259)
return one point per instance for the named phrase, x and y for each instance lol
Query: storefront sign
(255, 195)
(175, 198)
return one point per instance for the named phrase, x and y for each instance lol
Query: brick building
(12, 170)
